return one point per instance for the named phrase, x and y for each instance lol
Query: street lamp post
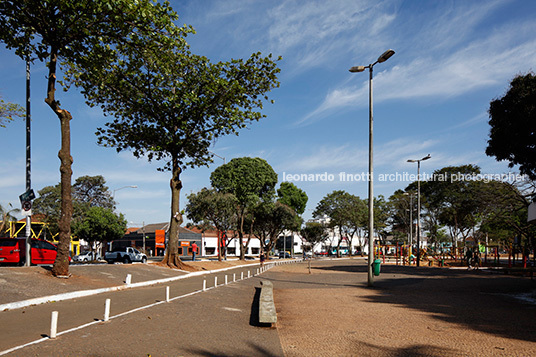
(120, 188)
(384, 57)
(419, 206)
(410, 223)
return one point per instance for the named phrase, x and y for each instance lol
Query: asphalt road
(218, 321)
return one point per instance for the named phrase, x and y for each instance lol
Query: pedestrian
(194, 250)
(468, 257)
(262, 258)
(476, 258)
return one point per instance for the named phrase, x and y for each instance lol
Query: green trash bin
(376, 266)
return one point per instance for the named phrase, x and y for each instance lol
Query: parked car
(10, 250)
(86, 257)
(284, 255)
(13, 250)
(125, 255)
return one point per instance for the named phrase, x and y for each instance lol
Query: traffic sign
(27, 196)
(26, 205)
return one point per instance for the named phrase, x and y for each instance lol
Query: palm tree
(7, 216)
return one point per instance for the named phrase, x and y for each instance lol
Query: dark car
(284, 255)
(13, 251)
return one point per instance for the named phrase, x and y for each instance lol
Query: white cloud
(481, 63)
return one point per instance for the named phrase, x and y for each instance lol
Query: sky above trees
(452, 58)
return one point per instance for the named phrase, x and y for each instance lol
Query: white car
(86, 257)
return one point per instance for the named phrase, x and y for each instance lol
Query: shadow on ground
(475, 299)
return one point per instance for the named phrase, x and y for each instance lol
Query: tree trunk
(172, 258)
(61, 264)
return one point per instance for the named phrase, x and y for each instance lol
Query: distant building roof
(153, 227)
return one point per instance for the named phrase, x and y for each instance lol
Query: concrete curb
(83, 293)
(267, 312)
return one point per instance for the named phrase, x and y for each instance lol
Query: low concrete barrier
(267, 313)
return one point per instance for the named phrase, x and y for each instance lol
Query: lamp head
(426, 157)
(357, 69)
(385, 56)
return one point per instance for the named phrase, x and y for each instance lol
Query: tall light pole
(120, 188)
(419, 206)
(384, 57)
(410, 222)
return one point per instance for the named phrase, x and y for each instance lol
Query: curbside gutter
(83, 293)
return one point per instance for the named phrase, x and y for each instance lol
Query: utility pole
(28, 165)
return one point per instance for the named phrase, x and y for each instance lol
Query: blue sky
(452, 58)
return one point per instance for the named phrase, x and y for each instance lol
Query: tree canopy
(211, 208)
(8, 111)
(170, 105)
(87, 192)
(82, 33)
(100, 224)
(292, 196)
(512, 135)
(251, 181)
(347, 214)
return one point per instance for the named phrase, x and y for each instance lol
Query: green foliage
(250, 180)
(454, 201)
(92, 191)
(292, 196)
(76, 33)
(314, 233)
(209, 207)
(505, 212)
(8, 111)
(100, 224)
(87, 192)
(512, 135)
(271, 219)
(169, 104)
(347, 213)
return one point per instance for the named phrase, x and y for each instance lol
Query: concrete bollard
(225, 279)
(241, 275)
(128, 279)
(54, 324)
(205, 285)
(249, 274)
(234, 277)
(107, 310)
(215, 281)
(167, 293)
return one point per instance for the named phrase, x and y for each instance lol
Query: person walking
(262, 258)
(468, 257)
(194, 251)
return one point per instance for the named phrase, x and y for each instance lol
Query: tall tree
(87, 192)
(213, 209)
(77, 32)
(346, 214)
(8, 111)
(170, 105)
(313, 233)
(292, 196)
(512, 135)
(101, 225)
(454, 197)
(271, 219)
(93, 192)
(251, 181)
